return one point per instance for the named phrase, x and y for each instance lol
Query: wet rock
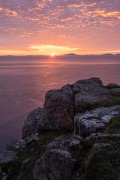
(7, 156)
(31, 123)
(58, 111)
(54, 165)
(95, 120)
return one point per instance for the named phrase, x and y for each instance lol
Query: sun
(52, 54)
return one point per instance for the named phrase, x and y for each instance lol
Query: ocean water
(23, 85)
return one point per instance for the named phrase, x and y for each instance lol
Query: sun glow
(52, 54)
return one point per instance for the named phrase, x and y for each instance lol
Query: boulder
(31, 123)
(7, 156)
(55, 164)
(88, 92)
(95, 120)
(58, 110)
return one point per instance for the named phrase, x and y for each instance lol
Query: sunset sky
(44, 27)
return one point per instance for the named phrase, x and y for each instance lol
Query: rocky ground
(75, 136)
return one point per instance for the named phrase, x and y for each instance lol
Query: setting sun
(52, 54)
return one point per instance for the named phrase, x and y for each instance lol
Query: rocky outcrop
(61, 105)
(31, 123)
(58, 110)
(94, 120)
(49, 150)
(55, 164)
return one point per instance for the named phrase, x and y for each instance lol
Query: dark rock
(58, 111)
(95, 120)
(31, 123)
(7, 156)
(112, 85)
(55, 164)
(115, 91)
(1, 174)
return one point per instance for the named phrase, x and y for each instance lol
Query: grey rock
(101, 145)
(75, 144)
(7, 156)
(89, 92)
(54, 145)
(16, 145)
(98, 136)
(95, 120)
(58, 111)
(12, 145)
(31, 123)
(55, 164)
(65, 142)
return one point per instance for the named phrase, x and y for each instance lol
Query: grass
(114, 126)
(107, 103)
(13, 168)
(102, 165)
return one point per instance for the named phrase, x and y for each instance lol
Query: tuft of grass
(102, 165)
(114, 126)
(107, 103)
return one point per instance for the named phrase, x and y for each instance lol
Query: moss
(107, 103)
(102, 165)
(12, 169)
(81, 154)
(114, 126)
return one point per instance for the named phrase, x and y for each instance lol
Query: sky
(44, 27)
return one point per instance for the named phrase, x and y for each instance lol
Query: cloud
(48, 49)
(71, 23)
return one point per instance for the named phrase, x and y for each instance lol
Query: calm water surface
(23, 86)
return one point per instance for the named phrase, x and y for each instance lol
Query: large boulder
(58, 110)
(31, 123)
(55, 164)
(88, 92)
(95, 120)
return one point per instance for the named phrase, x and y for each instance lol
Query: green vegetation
(102, 165)
(114, 126)
(107, 103)
(33, 151)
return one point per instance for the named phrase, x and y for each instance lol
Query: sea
(24, 83)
